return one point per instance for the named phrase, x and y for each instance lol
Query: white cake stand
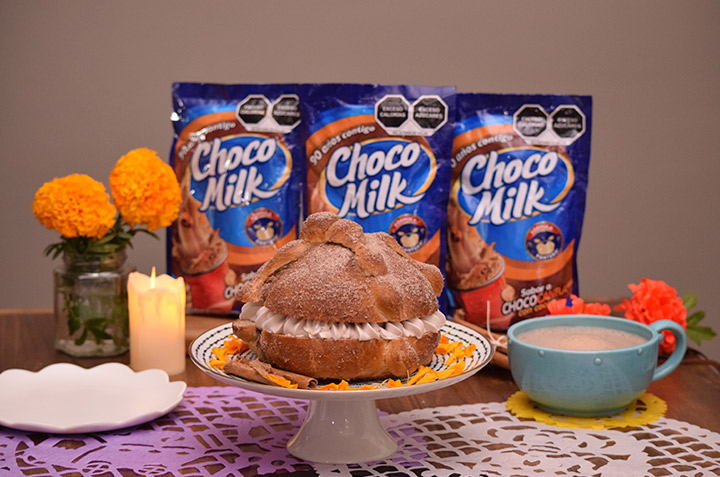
(342, 427)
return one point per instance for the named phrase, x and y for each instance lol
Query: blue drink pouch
(380, 155)
(519, 177)
(238, 156)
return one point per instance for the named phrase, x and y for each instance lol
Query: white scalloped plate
(201, 353)
(65, 399)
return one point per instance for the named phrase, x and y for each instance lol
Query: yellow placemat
(646, 409)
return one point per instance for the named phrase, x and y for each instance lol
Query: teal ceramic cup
(590, 383)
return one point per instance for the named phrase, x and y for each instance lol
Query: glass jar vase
(91, 304)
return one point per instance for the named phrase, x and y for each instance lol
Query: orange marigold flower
(145, 189)
(654, 300)
(596, 309)
(76, 205)
(571, 305)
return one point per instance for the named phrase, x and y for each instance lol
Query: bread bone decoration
(342, 304)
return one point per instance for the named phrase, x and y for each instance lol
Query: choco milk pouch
(380, 155)
(517, 201)
(238, 155)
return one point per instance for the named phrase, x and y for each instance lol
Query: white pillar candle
(157, 322)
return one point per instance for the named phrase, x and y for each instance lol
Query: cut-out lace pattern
(230, 431)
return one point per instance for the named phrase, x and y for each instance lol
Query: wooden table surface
(691, 391)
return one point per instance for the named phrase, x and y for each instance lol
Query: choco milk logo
(238, 170)
(377, 175)
(513, 184)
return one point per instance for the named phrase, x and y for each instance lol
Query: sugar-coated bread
(334, 272)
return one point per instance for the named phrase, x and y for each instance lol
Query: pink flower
(654, 300)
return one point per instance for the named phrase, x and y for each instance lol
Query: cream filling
(272, 322)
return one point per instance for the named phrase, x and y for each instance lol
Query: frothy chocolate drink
(581, 338)
(197, 247)
(474, 262)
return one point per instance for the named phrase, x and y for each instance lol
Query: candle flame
(152, 278)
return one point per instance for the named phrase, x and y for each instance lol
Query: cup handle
(681, 345)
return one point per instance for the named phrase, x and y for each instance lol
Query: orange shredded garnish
(230, 344)
(220, 358)
(341, 386)
(219, 353)
(457, 353)
(444, 339)
(458, 369)
(280, 381)
(394, 383)
(233, 345)
(368, 386)
(217, 363)
(445, 348)
(429, 377)
(460, 353)
(453, 370)
(422, 371)
(455, 356)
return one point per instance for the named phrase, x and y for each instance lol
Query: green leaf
(97, 326)
(74, 323)
(698, 334)
(53, 249)
(102, 249)
(82, 337)
(145, 231)
(689, 300)
(107, 238)
(116, 239)
(73, 313)
(695, 318)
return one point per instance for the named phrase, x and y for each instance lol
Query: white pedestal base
(342, 432)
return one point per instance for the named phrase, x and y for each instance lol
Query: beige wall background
(83, 82)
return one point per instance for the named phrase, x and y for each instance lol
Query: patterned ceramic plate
(201, 353)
